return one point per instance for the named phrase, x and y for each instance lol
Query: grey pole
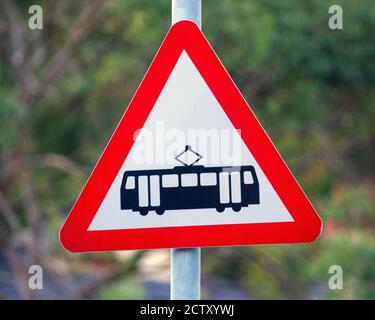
(187, 10)
(185, 274)
(186, 263)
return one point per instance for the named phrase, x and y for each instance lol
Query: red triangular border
(185, 35)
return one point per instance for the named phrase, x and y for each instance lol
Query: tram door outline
(149, 191)
(230, 187)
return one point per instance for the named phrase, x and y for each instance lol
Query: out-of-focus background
(64, 88)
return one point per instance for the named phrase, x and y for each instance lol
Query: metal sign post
(185, 263)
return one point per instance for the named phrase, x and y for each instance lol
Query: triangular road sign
(188, 165)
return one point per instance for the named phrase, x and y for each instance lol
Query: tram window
(248, 178)
(189, 180)
(170, 180)
(208, 179)
(130, 183)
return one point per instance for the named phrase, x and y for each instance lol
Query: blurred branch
(19, 272)
(29, 87)
(29, 198)
(8, 213)
(18, 45)
(80, 28)
(16, 32)
(53, 160)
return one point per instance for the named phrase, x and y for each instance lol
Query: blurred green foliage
(123, 290)
(312, 88)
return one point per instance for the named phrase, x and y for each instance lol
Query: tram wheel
(143, 212)
(236, 208)
(160, 211)
(220, 209)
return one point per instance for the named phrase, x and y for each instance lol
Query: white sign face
(188, 114)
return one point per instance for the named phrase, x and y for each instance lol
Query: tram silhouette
(189, 187)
